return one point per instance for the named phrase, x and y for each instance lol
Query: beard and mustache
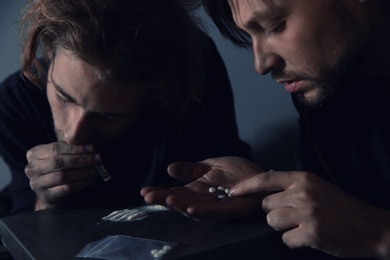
(333, 79)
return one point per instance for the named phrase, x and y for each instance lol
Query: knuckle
(57, 162)
(307, 200)
(29, 154)
(28, 170)
(266, 204)
(33, 185)
(289, 241)
(271, 220)
(56, 147)
(305, 177)
(307, 197)
(65, 189)
(294, 239)
(85, 159)
(59, 177)
(307, 236)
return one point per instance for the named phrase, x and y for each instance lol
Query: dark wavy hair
(154, 44)
(221, 14)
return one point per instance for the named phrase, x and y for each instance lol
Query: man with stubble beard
(332, 56)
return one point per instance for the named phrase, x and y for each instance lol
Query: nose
(265, 60)
(79, 129)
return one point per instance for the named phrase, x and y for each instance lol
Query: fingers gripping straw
(103, 172)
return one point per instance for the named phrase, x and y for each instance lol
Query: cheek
(305, 55)
(322, 50)
(310, 43)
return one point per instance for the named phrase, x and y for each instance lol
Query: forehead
(70, 71)
(251, 12)
(245, 10)
(238, 6)
(80, 81)
(66, 67)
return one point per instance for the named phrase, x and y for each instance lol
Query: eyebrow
(259, 16)
(73, 100)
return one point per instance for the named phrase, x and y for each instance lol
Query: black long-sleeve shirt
(138, 157)
(347, 141)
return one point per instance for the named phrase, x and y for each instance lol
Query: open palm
(196, 200)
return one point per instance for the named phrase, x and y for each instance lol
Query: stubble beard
(334, 78)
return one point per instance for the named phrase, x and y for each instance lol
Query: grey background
(266, 117)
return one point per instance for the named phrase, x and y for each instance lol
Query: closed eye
(62, 100)
(277, 29)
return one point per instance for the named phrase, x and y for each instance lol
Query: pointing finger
(265, 181)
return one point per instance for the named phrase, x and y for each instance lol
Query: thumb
(187, 170)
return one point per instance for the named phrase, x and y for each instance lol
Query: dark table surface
(61, 234)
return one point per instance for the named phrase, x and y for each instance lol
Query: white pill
(220, 188)
(167, 247)
(221, 197)
(154, 251)
(157, 255)
(212, 189)
(227, 191)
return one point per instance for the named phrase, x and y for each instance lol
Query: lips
(291, 86)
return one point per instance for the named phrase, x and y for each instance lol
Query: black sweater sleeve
(25, 121)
